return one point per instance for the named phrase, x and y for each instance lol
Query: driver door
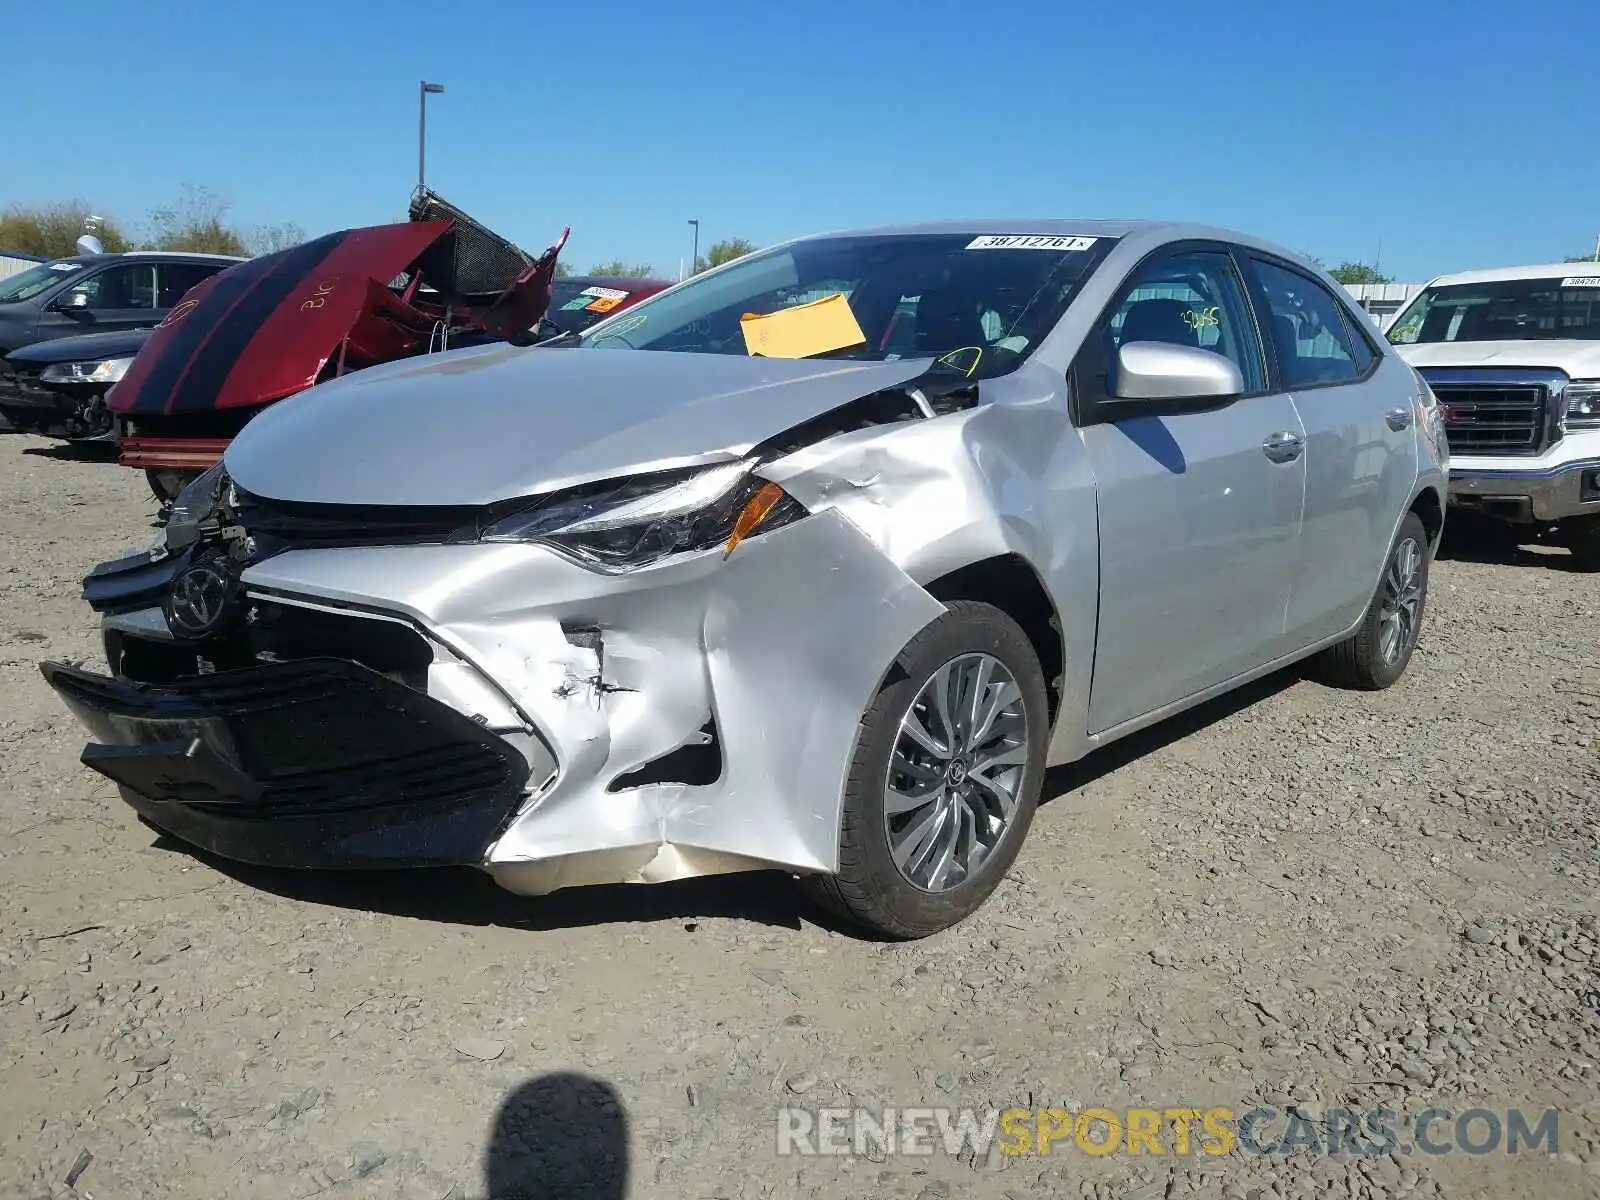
(1199, 513)
(122, 296)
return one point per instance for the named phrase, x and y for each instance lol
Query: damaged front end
(630, 681)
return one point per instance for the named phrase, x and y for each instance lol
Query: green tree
(621, 269)
(1594, 257)
(562, 270)
(1357, 273)
(269, 239)
(195, 223)
(723, 252)
(52, 230)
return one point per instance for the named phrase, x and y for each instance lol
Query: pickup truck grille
(1489, 419)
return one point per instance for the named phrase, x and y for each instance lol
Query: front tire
(1377, 654)
(948, 766)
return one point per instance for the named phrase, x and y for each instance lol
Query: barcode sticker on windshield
(1029, 241)
(604, 293)
(1577, 281)
(66, 266)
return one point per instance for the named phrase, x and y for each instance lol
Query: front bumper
(320, 763)
(1543, 492)
(685, 719)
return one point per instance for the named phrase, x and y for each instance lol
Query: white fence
(14, 264)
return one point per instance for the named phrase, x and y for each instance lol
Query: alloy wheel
(955, 772)
(1402, 600)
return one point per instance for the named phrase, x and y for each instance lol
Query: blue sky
(1459, 134)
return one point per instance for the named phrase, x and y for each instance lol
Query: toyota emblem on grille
(198, 601)
(1457, 414)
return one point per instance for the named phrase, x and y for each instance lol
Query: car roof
(1146, 232)
(1536, 271)
(164, 255)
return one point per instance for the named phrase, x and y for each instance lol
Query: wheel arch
(1428, 504)
(1008, 582)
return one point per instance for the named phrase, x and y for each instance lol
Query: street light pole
(694, 261)
(423, 91)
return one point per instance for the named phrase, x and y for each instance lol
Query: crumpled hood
(471, 427)
(1581, 360)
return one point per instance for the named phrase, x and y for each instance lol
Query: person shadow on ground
(561, 1136)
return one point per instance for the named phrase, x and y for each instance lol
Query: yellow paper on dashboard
(804, 330)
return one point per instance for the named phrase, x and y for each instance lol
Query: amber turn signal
(755, 511)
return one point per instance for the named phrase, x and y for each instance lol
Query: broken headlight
(635, 522)
(193, 506)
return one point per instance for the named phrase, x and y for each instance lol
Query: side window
(1192, 299)
(131, 285)
(1312, 341)
(178, 278)
(1360, 347)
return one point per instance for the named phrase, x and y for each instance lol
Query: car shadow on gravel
(463, 896)
(1059, 781)
(75, 452)
(561, 1136)
(1473, 539)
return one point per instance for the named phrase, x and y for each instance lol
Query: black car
(98, 293)
(58, 387)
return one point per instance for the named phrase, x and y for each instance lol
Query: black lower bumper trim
(317, 763)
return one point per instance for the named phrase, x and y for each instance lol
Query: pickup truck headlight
(1583, 404)
(106, 370)
(621, 525)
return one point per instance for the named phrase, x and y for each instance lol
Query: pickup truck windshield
(1502, 311)
(25, 285)
(980, 302)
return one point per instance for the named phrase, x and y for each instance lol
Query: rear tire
(1376, 655)
(964, 795)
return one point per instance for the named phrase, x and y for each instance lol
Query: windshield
(1503, 310)
(576, 304)
(25, 285)
(978, 302)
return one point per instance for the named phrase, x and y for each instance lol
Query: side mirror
(73, 299)
(1160, 371)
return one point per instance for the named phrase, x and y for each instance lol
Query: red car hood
(265, 329)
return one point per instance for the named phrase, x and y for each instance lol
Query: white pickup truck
(1513, 356)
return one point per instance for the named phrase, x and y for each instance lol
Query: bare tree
(269, 239)
(195, 223)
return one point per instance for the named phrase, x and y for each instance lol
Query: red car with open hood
(277, 324)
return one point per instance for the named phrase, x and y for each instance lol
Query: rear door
(1360, 446)
(120, 296)
(1199, 513)
(175, 278)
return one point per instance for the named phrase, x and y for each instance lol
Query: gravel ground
(1294, 897)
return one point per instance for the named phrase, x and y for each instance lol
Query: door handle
(1283, 447)
(1398, 418)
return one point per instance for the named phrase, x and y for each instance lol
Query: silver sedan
(813, 562)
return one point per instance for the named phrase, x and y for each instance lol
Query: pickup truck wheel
(948, 765)
(1583, 539)
(1377, 653)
